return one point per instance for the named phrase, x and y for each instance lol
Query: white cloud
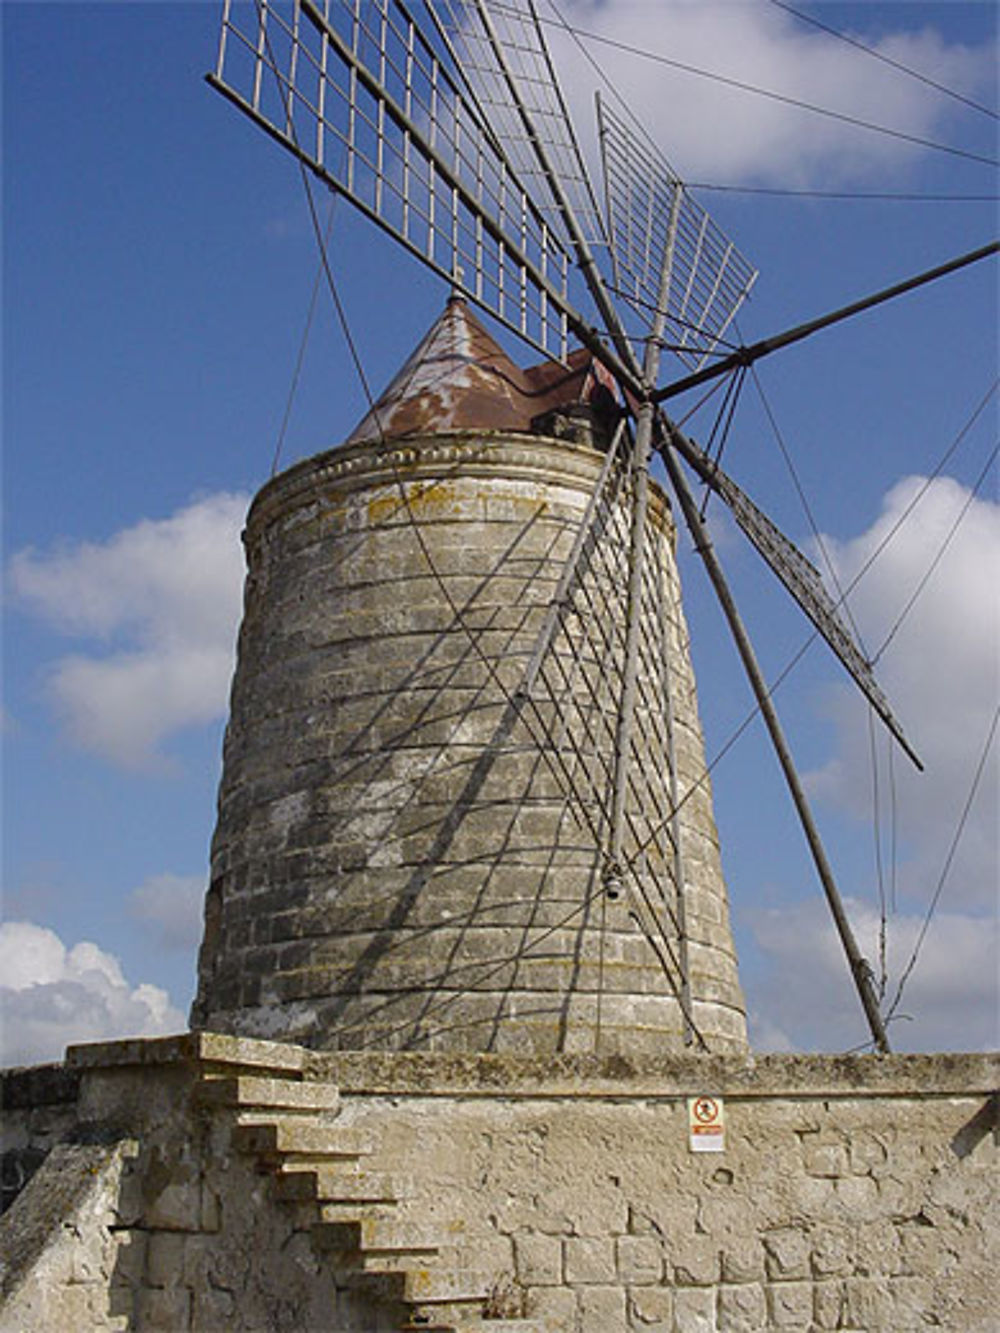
(712, 132)
(169, 908)
(51, 996)
(941, 673)
(164, 597)
(806, 999)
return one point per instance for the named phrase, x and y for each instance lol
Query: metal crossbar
(356, 91)
(655, 224)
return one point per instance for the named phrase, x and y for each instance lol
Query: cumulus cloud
(941, 671)
(51, 996)
(808, 1001)
(169, 909)
(163, 597)
(718, 133)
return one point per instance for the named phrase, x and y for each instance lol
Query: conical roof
(459, 378)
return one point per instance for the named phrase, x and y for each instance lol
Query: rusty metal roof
(459, 378)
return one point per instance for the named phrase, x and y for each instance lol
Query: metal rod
(676, 829)
(746, 356)
(637, 552)
(860, 969)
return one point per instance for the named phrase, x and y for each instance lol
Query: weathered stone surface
(556, 1195)
(742, 1309)
(652, 1309)
(640, 1260)
(401, 859)
(539, 1260)
(603, 1308)
(589, 1259)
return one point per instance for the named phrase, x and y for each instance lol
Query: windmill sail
(358, 93)
(501, 48)
(799, 575)
(653, 221)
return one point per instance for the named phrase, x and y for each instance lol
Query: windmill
(446, 126)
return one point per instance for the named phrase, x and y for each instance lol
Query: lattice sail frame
(476, 31)
(357, 92)
(656, 226)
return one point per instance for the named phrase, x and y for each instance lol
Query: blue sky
(158, 269)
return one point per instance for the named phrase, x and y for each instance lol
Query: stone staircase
(329, 1175)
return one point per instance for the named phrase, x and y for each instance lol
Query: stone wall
(248, 1186)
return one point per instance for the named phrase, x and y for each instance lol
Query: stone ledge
(652, 1077)
(202, 1047)
(560, 1076)
(38, 1085)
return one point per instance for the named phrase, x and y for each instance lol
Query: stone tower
(411, 849)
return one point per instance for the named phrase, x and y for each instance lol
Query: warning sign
(706, 1124)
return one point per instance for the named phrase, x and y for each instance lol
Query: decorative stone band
(527, 458)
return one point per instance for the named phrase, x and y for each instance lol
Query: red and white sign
(706, 1124)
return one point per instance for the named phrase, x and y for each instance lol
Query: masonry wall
(411, 850)
(842, 1199)
(554, 1196)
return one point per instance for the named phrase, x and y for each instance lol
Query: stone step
(386, 1261)
(297, 1141)
(427, 1286)
(447, 1317)
(329, 1185)
(375, 1234)
(247, 1091)
(350, 1211)
(511, 1326)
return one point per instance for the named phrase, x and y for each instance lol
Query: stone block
(171, 1195)
(789, 1304)
(858, 1195)
(640, 1260)
(832, 1251)
(163, 1311)
(824, 1156)
(829, 1303)
(602, 1310)
(214, 1308)
(652, 1309)
(552, 1307)
(538, 1260)
(912, 1302)
(787, 1252)
(694, 1310)
(742, 1309)
(130, 1257)
(869, 1303)
(867, 1154)
(743, 1260)
(589, 1260)
(696, 1262)
(165, 1258)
